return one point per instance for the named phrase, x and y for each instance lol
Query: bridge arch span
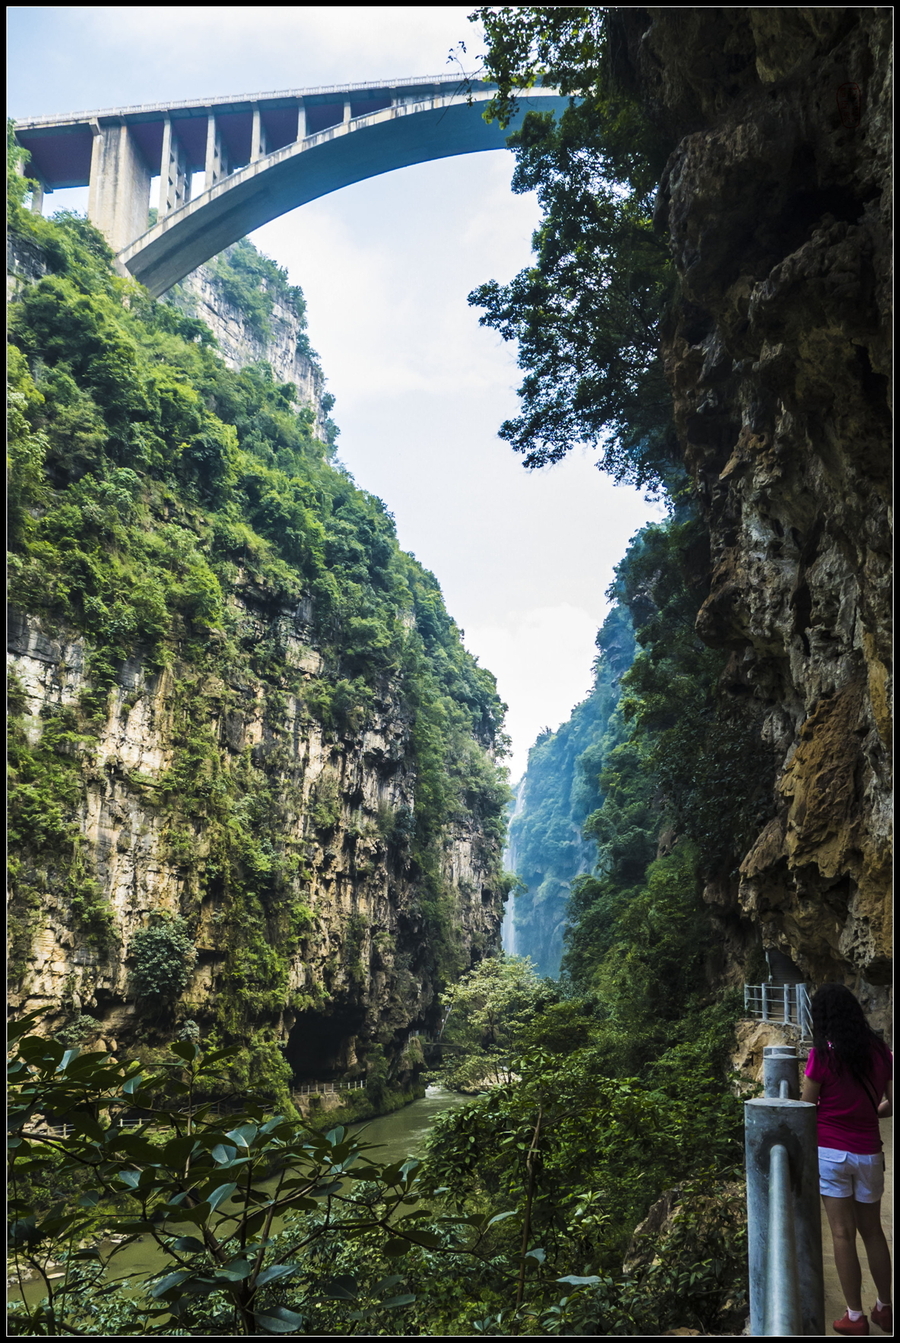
(375, 129)
(368, 146)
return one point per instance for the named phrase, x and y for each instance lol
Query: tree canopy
(586, 315)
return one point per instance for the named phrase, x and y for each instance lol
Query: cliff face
(776, 199)
(253, 789)
(203, 295)
(361, 970)
(547, 847)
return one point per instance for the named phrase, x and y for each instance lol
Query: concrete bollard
(784, 1228)
(780, 1064)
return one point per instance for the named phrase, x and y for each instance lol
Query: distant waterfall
(508, 931)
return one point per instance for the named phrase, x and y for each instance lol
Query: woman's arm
(886, 1108)
(810, 1090)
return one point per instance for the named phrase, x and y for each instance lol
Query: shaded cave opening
(319, 1046)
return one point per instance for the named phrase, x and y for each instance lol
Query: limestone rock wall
(362, 972)
(366, 933)
(240, 345)
(776, 200)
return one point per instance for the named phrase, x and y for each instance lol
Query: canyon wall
(776, 200)
(202, 294)
(359, 966)
(292, 765)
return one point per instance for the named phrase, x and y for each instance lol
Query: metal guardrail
(308, 1089)
(784, 1227)
(327, 1088)
(63, 1130)
(226, 100)
(787, 1004)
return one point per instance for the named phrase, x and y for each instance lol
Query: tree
(489, 1008)
(209, 1191)
(163, 956)
(587, 314)
(18, 186)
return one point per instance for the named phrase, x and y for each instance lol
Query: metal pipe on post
(784, 1229)
(783, 1315)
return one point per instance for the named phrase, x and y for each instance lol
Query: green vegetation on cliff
(660, 769)
(615, 1090)
(181, 519)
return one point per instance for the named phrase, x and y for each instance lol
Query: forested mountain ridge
(253, 776)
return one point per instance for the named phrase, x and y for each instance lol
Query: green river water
(397, 1136)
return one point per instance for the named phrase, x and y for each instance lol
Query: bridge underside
(261, 157)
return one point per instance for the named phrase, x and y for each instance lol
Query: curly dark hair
(841, 1032)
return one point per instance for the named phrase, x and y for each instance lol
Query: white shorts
(849, 1175)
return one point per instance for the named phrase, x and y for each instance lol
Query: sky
(523, 557)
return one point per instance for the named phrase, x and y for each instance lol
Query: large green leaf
(278, 1320)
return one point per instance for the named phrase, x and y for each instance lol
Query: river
(397, 1136)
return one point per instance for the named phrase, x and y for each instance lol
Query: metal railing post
(783, 1312)
(784, 1229)
(780, 1064)
(804, 1014)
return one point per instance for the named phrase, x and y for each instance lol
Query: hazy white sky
(523, 558)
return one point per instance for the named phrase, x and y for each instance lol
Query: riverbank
(348, 1107)
(392, 1136)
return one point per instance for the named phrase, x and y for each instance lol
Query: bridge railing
(784, 1228)
(786, 1004)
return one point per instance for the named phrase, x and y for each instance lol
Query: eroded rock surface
(362, 971)
(776, 199)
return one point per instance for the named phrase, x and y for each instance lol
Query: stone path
(835, 1304)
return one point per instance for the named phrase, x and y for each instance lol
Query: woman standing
(848, 1078)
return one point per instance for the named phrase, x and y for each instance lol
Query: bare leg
(842, 1220)
(868, 1220)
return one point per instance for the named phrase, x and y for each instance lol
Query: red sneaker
(847, 1326)
(884, 1318)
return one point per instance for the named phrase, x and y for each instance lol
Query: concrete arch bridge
(261, 155)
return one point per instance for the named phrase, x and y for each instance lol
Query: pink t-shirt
(846, 1119)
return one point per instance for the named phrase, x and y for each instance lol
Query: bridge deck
(60, 145)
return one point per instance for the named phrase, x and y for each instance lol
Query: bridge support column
(301, 121)
(258, 145)
(216, 163)
(119, 188)
(174, 178)
(347, 110)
